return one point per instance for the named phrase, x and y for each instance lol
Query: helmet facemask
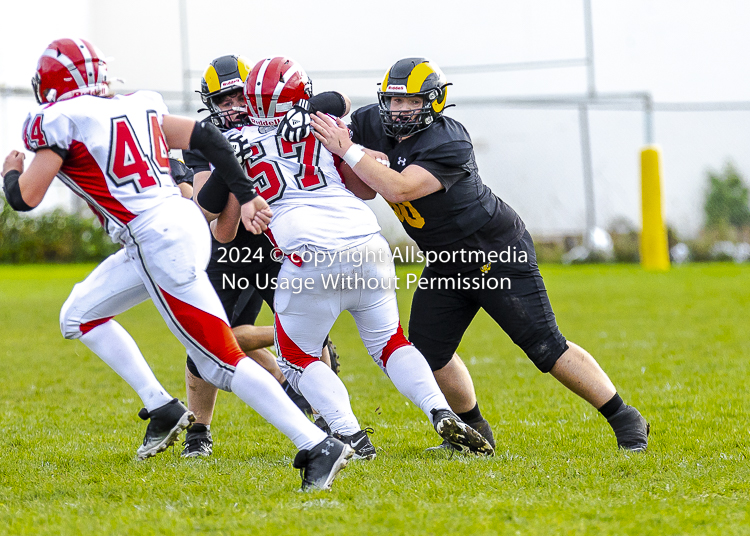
(233, 117)
(223, 76)
(404, 123)
(412, 77)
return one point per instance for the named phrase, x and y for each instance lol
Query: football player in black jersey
(237, 254)
(482, 255)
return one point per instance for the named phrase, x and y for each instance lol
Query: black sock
(611, 407)
(473, 415)
(199, 428)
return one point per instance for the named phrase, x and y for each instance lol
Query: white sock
(412, 376)
(328, 395)
(117, 349)
(257, 388)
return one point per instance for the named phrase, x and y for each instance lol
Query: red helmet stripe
(270, 85)
(273, 86)
(260, 89)
(287, 73)
(249, 95)
(88, 67)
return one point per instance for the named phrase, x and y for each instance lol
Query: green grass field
(676, 346)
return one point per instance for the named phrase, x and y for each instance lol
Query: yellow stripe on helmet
(384, 87)
(212, 79)
(417, 77)
(438, 105)
(243, 67)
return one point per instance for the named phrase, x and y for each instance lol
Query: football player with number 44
(113, 152)
(317, 216)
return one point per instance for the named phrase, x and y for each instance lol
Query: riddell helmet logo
(260, 122)
(232, 82)
(396, 88)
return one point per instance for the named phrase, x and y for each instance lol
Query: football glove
(180, 172)
(295, 126)
(242, 148)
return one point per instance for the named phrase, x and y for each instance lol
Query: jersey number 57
(268, 176)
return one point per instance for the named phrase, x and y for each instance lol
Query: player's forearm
(225, 227)
(26, 189)
(12, 191)
(390, 184)
(210, 194)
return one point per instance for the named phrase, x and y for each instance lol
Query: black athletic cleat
(631, 429)
(360, 442)
(335, 363)
(481, 426)
(165, 424)
(445, 446)
(460, 435)
(320, 465)
(198, 442)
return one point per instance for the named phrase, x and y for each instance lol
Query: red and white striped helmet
(272, 88)
(70, 68)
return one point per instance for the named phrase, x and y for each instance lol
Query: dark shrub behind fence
(51, 237)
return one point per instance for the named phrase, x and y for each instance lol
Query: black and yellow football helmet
(224, 75)
(412, 77)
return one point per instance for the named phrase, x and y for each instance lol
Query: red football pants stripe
(289, 350)
(88, 326)
(209, 331)
(397, 340)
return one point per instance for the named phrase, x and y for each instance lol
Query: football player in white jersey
(245, 256)
(336, 260)
(113, 152)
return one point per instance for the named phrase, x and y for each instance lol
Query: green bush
(51, 237)
(727, 200)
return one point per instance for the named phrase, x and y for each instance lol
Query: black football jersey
(465, 215)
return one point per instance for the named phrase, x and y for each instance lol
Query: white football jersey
(116, 157)
(312, 209)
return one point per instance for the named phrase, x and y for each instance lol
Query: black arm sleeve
(214, 194)
(13, 192)
(208, 140)
(329, 102)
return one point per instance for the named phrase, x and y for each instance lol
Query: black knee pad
(545, 353)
